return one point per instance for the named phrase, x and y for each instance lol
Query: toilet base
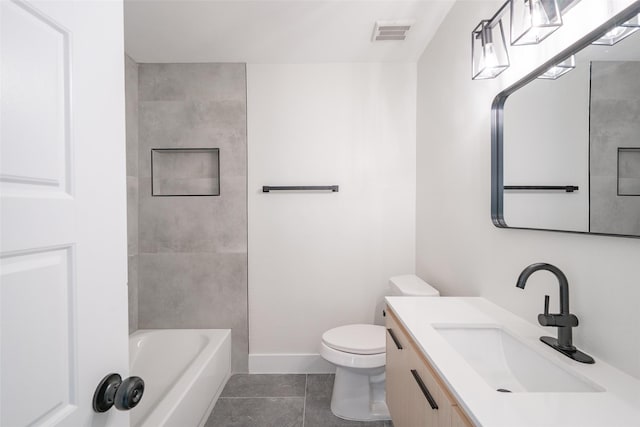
(359, 394)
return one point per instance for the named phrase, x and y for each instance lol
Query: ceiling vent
(391, 30)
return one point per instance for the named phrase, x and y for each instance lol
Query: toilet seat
(356, 339)
(351, 360)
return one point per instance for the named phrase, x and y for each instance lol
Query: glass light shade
(620, 32)
(533, 20)
(488, 50)
(559, 69)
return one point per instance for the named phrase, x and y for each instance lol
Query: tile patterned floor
(293, 400)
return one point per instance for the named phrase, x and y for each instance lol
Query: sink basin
(508, 365)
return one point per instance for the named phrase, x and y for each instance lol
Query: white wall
(320, 260)
(546, 142)
(458, 249)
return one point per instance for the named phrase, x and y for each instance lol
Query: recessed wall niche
(185, 172)
(629, 171)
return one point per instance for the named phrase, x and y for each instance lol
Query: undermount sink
(508, 365)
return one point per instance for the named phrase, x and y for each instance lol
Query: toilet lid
(357, 339)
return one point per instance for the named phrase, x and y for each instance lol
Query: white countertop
(617, 406)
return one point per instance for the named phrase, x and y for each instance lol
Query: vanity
(461, 362)
(416, 395)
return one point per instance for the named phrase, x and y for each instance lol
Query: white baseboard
(289, 364)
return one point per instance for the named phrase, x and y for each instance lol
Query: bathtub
(184, 371)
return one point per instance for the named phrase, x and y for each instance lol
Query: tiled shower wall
(192, 250)
(615, 90)
(131, 111)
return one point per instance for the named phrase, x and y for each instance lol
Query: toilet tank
(411, 285)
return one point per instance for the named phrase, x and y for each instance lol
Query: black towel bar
(567, 188)
(332, 188)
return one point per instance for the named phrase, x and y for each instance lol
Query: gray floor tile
(254, 385)
(319, 385)
(290, 400)
(257, 412)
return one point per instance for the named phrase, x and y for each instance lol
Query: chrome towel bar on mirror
(332, 188)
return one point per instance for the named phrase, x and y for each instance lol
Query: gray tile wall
(615, 108)
(131, 112)
(193, 250)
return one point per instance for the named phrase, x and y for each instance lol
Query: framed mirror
(566, 139)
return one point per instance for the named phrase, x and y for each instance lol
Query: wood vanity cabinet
(416, 396)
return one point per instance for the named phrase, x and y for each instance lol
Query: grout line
(304, 402)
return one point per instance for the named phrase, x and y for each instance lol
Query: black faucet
(564, 321)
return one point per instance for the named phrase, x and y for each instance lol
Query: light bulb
(489, 65)
(538, 14)
(615, 33)
(490, 59)
(525, 15)
(533, 20)
(559, 69)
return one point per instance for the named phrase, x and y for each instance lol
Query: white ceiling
(267, 31)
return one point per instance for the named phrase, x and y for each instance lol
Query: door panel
(36, 101)
(63, 307)
(44, 274)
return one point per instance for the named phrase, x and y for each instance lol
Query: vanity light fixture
(620, 32)
(489, 56)
(559, 69)
(533, 20)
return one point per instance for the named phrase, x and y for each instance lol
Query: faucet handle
(546, 319)
(546, 305)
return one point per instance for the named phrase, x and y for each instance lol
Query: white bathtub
(184, 371)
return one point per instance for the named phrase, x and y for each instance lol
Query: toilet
(358, 352)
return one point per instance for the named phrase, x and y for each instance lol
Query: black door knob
(129, 393)
(112, 390)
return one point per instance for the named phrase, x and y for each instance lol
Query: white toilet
(358, 351)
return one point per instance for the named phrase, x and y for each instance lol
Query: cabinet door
(396, 374)
(424, 405)
(448, 413)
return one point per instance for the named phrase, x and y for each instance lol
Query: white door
(63, 299)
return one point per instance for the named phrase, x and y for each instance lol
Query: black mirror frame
(497, 121)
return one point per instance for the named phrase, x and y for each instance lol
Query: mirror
(566, 147)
